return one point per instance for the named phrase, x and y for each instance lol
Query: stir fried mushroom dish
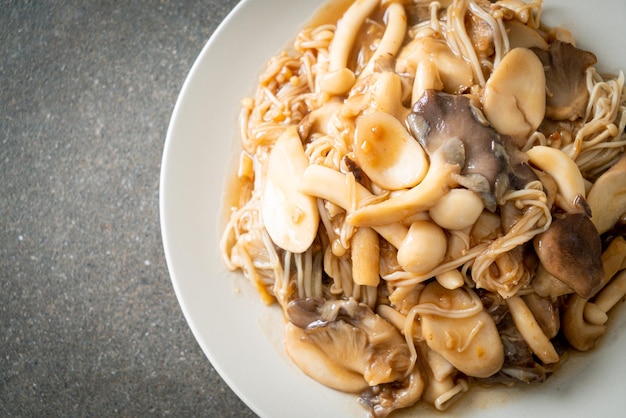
(434, 194)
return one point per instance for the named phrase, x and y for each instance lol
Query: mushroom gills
(565, 70)
(437, 117)
(350, 337)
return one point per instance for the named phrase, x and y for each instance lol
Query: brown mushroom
(565, 67)
(571, 251)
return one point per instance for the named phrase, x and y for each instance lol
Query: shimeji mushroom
(570, 250)
(391, 42)
(340, 78)
(290, 217)
(355, 347)
(579, 322)
(426, 78)
(564, 171)
(329, 184)
(531, 331)
(423, 248)
(446, 211)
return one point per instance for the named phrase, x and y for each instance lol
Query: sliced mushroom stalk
(461, 331)
(387, 153)
(514, 100)
(290, 217)
(351, 338)
(607, 197)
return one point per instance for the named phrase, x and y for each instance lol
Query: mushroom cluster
(434, 193)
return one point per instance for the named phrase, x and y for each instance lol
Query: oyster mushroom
(565, 69)
(571, 251)
(382, 400)
(439, 117)
(356, 347)
(569, 180)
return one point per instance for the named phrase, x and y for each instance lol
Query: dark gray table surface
(89, 322)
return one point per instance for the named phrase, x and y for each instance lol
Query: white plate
(242, 337)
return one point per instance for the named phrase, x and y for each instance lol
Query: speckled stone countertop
(89, 322)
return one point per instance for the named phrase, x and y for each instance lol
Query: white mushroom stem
(399, 321)
(340, 78)
(438, 181)
(426, 77)
(386, 93)
(583, 322)
(531, 331)
(392, 38)
(365, 254)
(563, 170)
(612, 293)
(326, 183)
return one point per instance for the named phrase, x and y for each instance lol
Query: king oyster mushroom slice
(349, 338)
(290, 217)
(565, 69)
(439, 117)
(387, 153)
(470, 340)
(571, 251)
(607, 197)
(514, 99)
